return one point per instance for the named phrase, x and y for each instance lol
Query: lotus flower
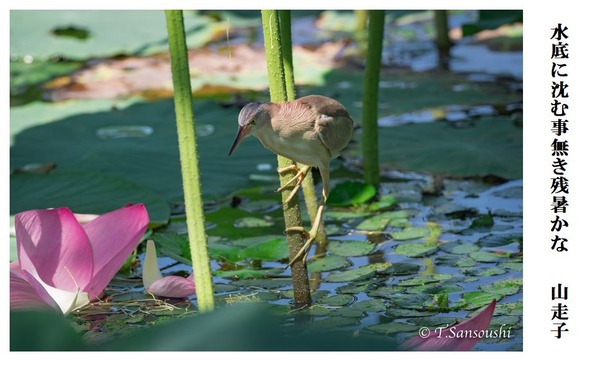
(65, 265)
(460, 337)
(164, 286)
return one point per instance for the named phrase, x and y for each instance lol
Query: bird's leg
(299, 176)
(310, 235)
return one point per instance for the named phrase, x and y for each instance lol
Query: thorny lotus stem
(370, 98)
(291, 209)
(442, 39)
(190, 170)
(308, 186)
(360, 29)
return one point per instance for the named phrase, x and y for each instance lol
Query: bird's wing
(333, 124)
(324, 105)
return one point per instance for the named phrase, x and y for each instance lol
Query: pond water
(420, 261)
(428, 253)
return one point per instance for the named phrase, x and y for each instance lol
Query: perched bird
(310, 130)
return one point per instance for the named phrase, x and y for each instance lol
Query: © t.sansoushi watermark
(458, 337)
(455, 332)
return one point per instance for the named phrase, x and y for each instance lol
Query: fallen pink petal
(164, 286)
(173, 287)
(26, 292)
(460, 337)
(72, 263)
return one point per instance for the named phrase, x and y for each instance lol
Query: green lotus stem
(360, 29)
(442, 39)
(360, 23)
(308, 186)
(190, 169)
(291, 210)
(285, 24)
(371, 97)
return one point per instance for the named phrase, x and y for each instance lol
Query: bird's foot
(303, 252)
(299, 177)
(310, 235)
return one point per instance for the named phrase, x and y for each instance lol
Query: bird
(311, 130)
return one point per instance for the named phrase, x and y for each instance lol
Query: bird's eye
(252, 122)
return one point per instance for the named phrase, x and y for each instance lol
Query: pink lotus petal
(113, 237)
(52, 245)
(173, 287)
(27, 293)
(85, 218)
(460, 337)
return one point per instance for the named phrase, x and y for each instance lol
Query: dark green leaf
(351, 193)
(350, 248)
(415, 249)
(356, 273)
(328, 263)
(248, 273)
(83, 192)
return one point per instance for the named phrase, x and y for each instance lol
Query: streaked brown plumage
(310, 130)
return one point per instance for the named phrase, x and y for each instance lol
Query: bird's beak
(241, 134)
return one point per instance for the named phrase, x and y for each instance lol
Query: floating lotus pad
(422, 280)
(337, 300)
(266, 248)
(356, 273)
(84, 193)
(328, 263)
(476, 299)
(504, 287)
(350, 193)
(268, 284)
(483, 222)
(248, 273)
(379, 222)
(224, 251)
(435, 321)
(344, 215)
(393, 327)
(360, 308)
(273, 249)
(485, 257)
(407, 313)
(350, 248)
(410, 233)
(434, 289)
(498, 240)
(333, 323)
(373, 224)
(415, 249)
(359, 286)
(513, 266)
(493, 271)
(401, 269)
(505, 321)
(511, 308)
(465, 262)
(385, 292)
(384, 202)
(461, 249)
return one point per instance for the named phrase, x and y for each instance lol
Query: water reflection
(203, 130)
(124, 131)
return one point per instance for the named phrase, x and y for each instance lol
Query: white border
(544, 362)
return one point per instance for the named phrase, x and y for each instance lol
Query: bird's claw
(303, 252)
(299, 176)
(309, 235)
